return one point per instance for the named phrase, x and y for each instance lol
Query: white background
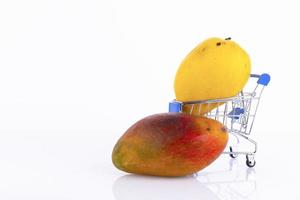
(75, 74)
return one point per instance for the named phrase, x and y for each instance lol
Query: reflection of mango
(169, 144)
(216, 68)
(141, 188)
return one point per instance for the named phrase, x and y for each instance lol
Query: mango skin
(169, 144)
(215, 68)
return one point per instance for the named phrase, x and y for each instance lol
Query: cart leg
(232, 155)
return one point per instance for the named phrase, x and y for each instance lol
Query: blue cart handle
(263, 79)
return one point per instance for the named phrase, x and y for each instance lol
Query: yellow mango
(216, 68)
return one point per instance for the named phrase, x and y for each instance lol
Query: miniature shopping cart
(236, 113)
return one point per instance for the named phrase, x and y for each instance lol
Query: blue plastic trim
(236, 113)
(264, 79)
(175, 107)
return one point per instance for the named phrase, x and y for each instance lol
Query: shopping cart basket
(236, 113)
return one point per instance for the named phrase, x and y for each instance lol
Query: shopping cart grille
(236, 113)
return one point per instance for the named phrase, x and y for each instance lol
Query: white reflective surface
(203, 186)
(77, 165)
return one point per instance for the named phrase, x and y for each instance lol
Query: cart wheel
(232, 155)
(250, 162)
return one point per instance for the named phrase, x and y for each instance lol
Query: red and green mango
(170, 144)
